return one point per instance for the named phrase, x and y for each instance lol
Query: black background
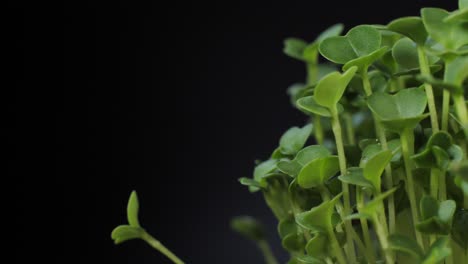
(173, 100)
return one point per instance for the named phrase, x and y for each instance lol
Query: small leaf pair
(328, 92)
(303, 157)
(133, 230)
(360, 47)
(401, 111)
(436, 218)
(439, 152)
(438, 251)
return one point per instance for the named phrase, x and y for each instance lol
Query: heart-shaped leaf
(411, 27)
(330, 88)
(451, 35)
(438, 153)
(294, 139)
(318, 171)
(319, 218)
(293, 167)
(123, 233)
(429, 207)
(317, 246)
(375, 167)
(401, 111)
(436, 218)
(438, 251)
(132, 210)
(359, 41)
(406, 54)
(248, 227)
(406, 245)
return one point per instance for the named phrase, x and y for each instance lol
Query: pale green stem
(388, 169)
(445, 109)
(336, 127)
(407, 145)
(424, 65)
(462, 113)
(434, 186)
(365, 227)
(296, 210)
(267, 253)
(161, 248)
(379, 229)
(442, 187)
(318, 129)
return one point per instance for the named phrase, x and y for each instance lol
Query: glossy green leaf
(132, 210)
(355, 176)
(294, 242)
(411, 27)
(375, 167)
(294, 139)
(436, 218)
(248, 227)
(457, 16)
(332, 31)
(451, 35)
(406, 245)
(319, 218)
(317, 246)
(438, 251)
(331, 88)
(318, 171)
(404, 110)
(123, 233)
(459, 230)
(309, 105)
(438, 152)
(457, 71)
(359, 41)
(294, 48)
(406, 54)
(260, 171)
(363, 62)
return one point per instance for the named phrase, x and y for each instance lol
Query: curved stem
(336, 127)
(424, 65)
(153, 242)
(407, 145)
(267, 253)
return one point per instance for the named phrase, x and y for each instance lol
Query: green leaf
(132, 210)
(308, 260)
(429, 207)
(438, 251)
(317, 246)
(437, 152)
(332, 31)
(406, 245)
(403, 110)
(330, 88)
(371, 207)
(360, 41)
(309, 105)
(355, 176)
(457, 71)
(446, 211)
(406, 54)
(294, 243)
(459, 230)
(442, 158)
(462, 4)
(294, 139)
(261, 170)
(318, 171)
(292, 168)
(294, 47)
(319, 218)
(451, 35)
(365, 61)
(411, 27)
(248, 227)
(375, 167)
(250, 182)
(123, 233)
(287, 226)
(457, 16)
